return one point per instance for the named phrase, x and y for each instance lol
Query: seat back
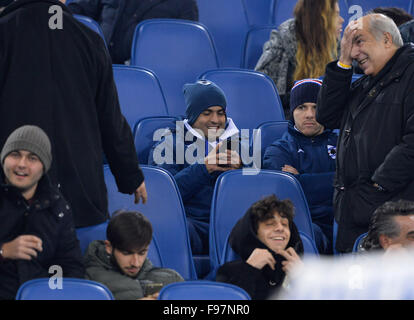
(236, 190)
(202, 290)
(228, 25)
(71, 289)
(258, 13)
(268, 132)
(367, 5)
(251, 96)
(282, 11)
(144, 134)
(165, 211)
(358, 242)
(253, 45)
(177, 51)
(90, 23)
(140, 94)
(309, 248)
(98, 232)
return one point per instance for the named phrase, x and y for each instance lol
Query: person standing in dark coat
(375, 152)
(119, 18)
(37, 230)
(269, 245)
(61, 80)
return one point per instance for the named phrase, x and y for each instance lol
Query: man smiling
(375, 160)
(37, 229)
(207, 128)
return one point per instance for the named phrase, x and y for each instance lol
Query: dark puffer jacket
(376, 142)
(118, 18)
(258, 283)
(48, 217)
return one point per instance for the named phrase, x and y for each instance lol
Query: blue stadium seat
(236, 190)
(358, 241)
(228, 25)
(268, 132)
(140, 93)
(98, 232)
(72, 289)
(252, 96)
(92, 24)
(144, 134)
(165, 210)
(202, 290)
(282, 11)
(253, 45)
(177, 51)
(259, 12)
(367, 5)
(309, 248)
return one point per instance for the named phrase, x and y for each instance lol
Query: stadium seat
(282, 11)
(358, 241)
(165, 210)
(268, 132)
(140, 93)
(177, 51)
(144, 134)
(72, 289)
(236, 190)
(202, 290)
(367, 5)
(92, 24)
(253, 45)
(228, 255)
(259, 13)
(98, 232)
(252, 96)
(228, 25)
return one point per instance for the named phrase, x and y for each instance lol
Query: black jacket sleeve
(333, 96)
(242, 275)
(117, 139)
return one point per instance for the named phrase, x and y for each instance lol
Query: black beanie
(303, 91)
(200, 96)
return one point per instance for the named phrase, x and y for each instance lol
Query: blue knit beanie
(305, 90)
(200, 96)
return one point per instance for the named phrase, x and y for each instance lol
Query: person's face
(274, 233)
(211, 122)
(339, 22)
(305, 119)
(23, 169)
(370, 53)
(406, 236)
(130, 263)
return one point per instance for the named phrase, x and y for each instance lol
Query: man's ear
(108, 247)
(387, 40)
(384, 241)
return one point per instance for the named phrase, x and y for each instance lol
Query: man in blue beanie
(207, 131)
(307, 150)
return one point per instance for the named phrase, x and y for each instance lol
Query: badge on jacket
(331, 151)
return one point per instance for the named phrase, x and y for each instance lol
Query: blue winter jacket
(119, 18)
(314, 158)
(196, 185)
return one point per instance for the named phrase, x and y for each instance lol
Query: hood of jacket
(243, 240)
